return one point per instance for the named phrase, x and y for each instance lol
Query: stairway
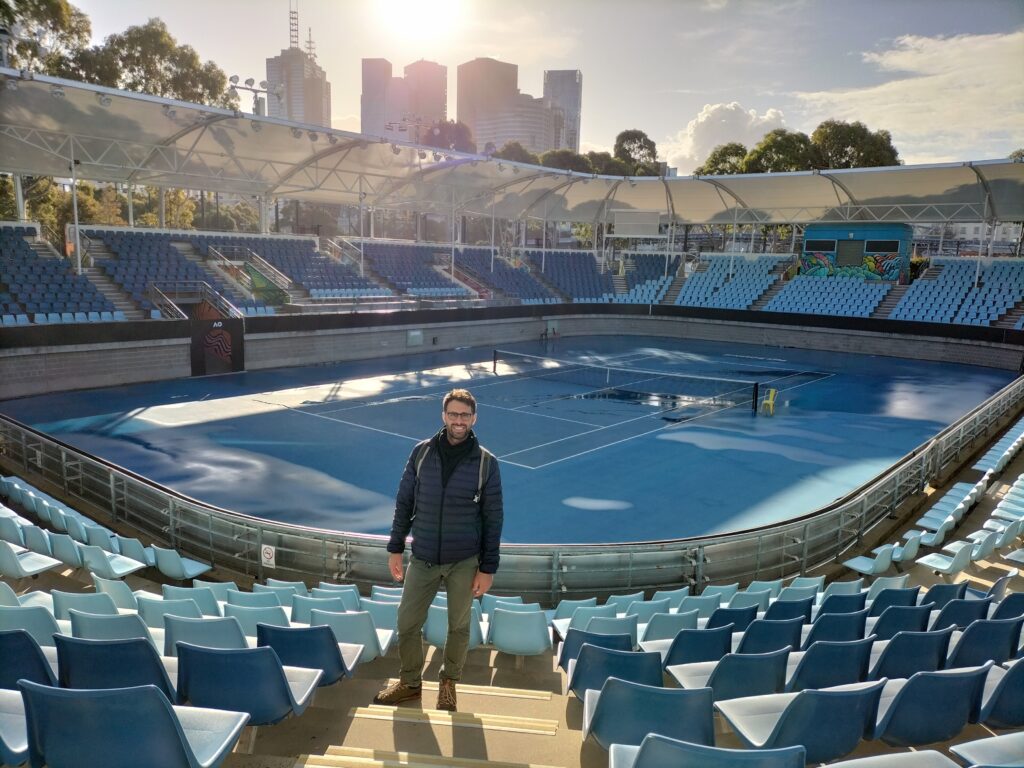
(674, 288)
(1009, 320)
(187, 250)
(773, 290)
(888, 304)
(542, 279)
(111, 290)
(43, 249)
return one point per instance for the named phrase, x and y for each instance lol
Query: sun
(416, 20)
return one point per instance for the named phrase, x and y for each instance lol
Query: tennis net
(672, 389)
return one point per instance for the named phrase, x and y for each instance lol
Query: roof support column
(131, 205)
(19, 198)
(453, 234)
(361, 253)
(74, 209)
(492, 233)
(261, 201)
(163, 208)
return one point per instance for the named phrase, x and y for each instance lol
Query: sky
(945, 77)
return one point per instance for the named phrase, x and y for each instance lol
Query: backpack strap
(486, 457)
(421, 456)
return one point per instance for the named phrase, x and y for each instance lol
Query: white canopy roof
(117, 136)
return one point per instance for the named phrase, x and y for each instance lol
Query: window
(812, 246)
(882, 246)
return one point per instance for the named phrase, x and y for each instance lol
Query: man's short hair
(462, 396)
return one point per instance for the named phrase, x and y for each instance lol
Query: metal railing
(197, 290)
(229, 266)
(540, 572)
(161, 301)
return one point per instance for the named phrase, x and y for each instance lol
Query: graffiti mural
(876, 266)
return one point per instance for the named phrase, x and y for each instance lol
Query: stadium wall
(41, 359)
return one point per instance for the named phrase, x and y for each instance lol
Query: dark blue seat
(624, 712)
(311, 647)
(959, 613)
(594, 665)
(763, 635)
(905, 596)
(901, 618)
(740, 618)
(662, 752)
(695, 645)
(21, 658)
(124, 663)
(987, 639)
(825, 664)
(575, 639)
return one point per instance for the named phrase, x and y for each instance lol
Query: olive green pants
(422, 582)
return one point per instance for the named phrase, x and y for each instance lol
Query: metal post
(492, 233)
(163, 208)
(942, 235)
(792, 242)
(361, 227)
(991, 239)
(453, 233)
(131, 205)
(19, 198)
(74, 209)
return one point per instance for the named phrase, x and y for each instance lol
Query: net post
(494, 363)
(753, 404)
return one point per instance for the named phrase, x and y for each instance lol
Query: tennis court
(600, 439)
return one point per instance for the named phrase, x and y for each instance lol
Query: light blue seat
(435, 628)
(119, 592)
(519, 633)
(76, 528)
(37, 540)
(764, 635)
(299, 587)
(906, 551)
(34, 619)
(827, 723)
(110, 664)
(724, 592)
(488, 600)
(818, 582)
(98, 536)
(930, 706)
(621, 602)
(569, 648)
(947, 565)
(662, 752)
(594, 665)
(1003, 751)
(665, 626)
(826, 664)
(886, 582)
(153, 610)
(251, 680)
(302, 605)
(704, 604)
(645, 609)
(174, 566)
(735, 674)
(87, 602)
(11, 530)
(250, 616)
(581, 616)
(842, 588)
(759, 599)
(312, 648)
(997, 640)
(356, 628)
(774, 586)
(565, 608)
(135, 549)
(93, 626)
(106, 564)
(208, 632)
(219, 588)
(675, 596)
(255, 599)
(350, 596)
(377, 591)
(203, 597)
(21, 658)
(22, 565)
(1002, 704)
(908, 653)
(101, 728)
(615, 625)
(872, 566)
(284, 594)
(623, 712)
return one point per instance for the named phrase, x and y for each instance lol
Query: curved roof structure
(115, 136)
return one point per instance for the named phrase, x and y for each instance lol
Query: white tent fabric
(116, 136)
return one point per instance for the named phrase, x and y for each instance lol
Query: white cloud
(717, 124)
(948, 98)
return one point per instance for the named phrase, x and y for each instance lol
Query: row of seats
(498, 274)
(32, 285)
(54, 318)
(839, 296)
(410, 268)
(730, 282)
(574, 274)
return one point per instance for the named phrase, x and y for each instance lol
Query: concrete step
(768, 295)
(1009, 320)
(673, 289)
(113, 293)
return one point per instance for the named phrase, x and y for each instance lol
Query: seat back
(987, 639)
(903, 596)
(34, 619)
(764, 635)
(354, 627)
(723, 592)
(645, 609)
(383, 613)
(665, 626)
(565, 608)
(118, 590)
(92, 626)
(901, 618)
(203, 597)
(249, 617)
(887, 582)
(998, 589)
(808, 591)
(818, 582)
(842, 588)
(662, 752)
(911, 652)
(133, 548)
(674, 595)
(933, 706)
(1010, 606)
(246, 680)
(575, 639)
(488, 600)
(582, 615)
(21, 658)
(594, 665)
(87, 602)
(790, 609)
(827, 663)
(519, 633)
(101, 728)
(302, 605)
(751, 599)
(298, 587)
(169, 562)
(253, 599)
(206, 632)
(694, 645)
(284, 593)
(219, 588)
(311, 647)
(99, 537)
(961, 612)
(774, 586)
(110, 664)
(1004, 704)
(153, 610)
(740, 618)
(622, 602)
(614, 625)
(626, 712)
(704, 604)
(37, 540)
(377, 591)
(837, 603)
(907, 551)
(749, 674)
(828, 724)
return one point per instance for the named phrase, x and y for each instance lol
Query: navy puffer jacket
(446, 523)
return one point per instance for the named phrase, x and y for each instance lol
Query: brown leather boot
(396, 693)
(446, 695)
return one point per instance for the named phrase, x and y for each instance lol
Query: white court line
(538, 415)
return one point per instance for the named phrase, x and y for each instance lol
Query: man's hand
(395, 565)
(481, 583)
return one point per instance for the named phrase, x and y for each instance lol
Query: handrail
(231, 268)
(162, 301)
(203, 291)
(348, 252)
(542, 572)
(268, 270)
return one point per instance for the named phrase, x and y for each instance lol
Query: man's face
(458, 418)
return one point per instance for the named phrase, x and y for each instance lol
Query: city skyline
(942, 76)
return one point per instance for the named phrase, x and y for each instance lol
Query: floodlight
(501, 168)
(332, 139)
(57, 91)
(437, 157)
(396, 149)
(233, 79)
(232, 92)
(263, 84)
(103, 100)
(312, 136)
(250, 82)
(421, 155)
(296, 133)
(256, 126)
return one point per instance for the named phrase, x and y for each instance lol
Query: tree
(1017, 155)
(606, 165)
(516, 152)
(148, 59)
(781, 150)
(448, 134)
(567, 160)
(853, 145)
(724, 160)
(52, 31)
(637, 150)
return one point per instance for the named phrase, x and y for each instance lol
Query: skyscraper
(306, 94)
(486, 87)
(563, 91)
(373, 101)
(390, 104)
(426, 84)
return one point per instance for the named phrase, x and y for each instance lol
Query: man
(450, 498)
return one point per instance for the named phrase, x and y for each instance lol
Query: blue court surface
(603, 440)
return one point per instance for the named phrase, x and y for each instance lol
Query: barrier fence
(545, 573)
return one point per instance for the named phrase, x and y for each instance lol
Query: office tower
(426, 84)
(527, 120)
(306, 94)
(563, 91)
(373, 101)
(486, 87)
(402, 108)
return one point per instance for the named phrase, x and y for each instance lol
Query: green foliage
(1017, 155)
(853, 145)
(781, 150)
(638, 151)
(918, 264)
(148, 59)
(448, 134)
(725, 159)
(52, 32)
(517, 153)
(606, 165)
(566, 159)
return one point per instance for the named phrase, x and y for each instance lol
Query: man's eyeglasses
(462, 416)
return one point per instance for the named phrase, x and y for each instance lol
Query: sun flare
(415, 20)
